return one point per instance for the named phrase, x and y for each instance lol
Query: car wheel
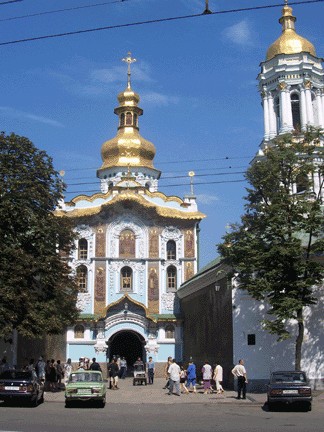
(68, 404)
(133, 382)
(270, 406)
(34, 402)
(102, 403)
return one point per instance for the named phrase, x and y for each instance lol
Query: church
(135, 247)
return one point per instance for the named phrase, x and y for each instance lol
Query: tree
(275, 249)
(38, 294)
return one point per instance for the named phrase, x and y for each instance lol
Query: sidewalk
(155, 394)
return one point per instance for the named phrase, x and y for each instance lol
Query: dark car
(21, 386)
(289, 387)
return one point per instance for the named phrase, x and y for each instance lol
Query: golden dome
(289, 42)
(128, 147)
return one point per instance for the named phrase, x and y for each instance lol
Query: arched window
(169, 332)
(78, 331)
(126, 279)
(127, 244)
(129, 119)
(302, 183)
(171, 279)
(83, 249)
(122, 119)
(82, 278)
(171, 250)
(295, 109)
(135, 120)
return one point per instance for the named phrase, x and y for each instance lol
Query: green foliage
(275, 248)
(38, 295)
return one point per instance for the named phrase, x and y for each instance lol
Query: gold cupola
(128, 148)
(289, 42)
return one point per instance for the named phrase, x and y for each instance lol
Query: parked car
(21, 386)
(85, 385)
(289, 387)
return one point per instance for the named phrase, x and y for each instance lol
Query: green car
(85, 385)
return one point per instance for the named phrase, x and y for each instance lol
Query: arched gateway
(128, 344)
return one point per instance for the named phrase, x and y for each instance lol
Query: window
(169, 332)
(127, 244)
(129, 119)
(135, 120)
(79, 331)
(302, 183)
(83, 249)
(126, 279)
(82, 278)
(295, 109)
(171, 279)
(251, 339)
(122, 119)
(171, 250)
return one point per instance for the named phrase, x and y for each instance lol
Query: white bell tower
(291, 82)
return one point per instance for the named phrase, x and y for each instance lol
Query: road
(149, 408)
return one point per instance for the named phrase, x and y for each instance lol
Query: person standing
(183, 376)
(40, 369)
(150, 370)
(207, 372)
(218, 377)
(95, 365)
(123, 368)
(191, 376)
(67, 370)
(239, 372)
(59, 374)
(174, 378)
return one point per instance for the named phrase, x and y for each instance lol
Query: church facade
(135, 247)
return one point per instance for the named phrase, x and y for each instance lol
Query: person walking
(95, 365)
(174, 378)
(183, 377)
(191, 376)
(59, 374)
(113, 374)
(218, 377)
(150, 370)
(207, 372)
(168, 364)
(239, 372)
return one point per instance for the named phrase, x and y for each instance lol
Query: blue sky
(196, 78)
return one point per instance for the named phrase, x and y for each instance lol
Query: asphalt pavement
(155, 394)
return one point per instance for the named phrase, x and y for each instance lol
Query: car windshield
(85, 377)
(288, 377)
(16, 375)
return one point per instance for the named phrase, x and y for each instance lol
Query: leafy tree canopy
(276, 248)
(38, 294)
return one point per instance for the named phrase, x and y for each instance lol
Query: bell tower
(291, 82)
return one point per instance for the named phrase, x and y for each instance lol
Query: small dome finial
(129, 60)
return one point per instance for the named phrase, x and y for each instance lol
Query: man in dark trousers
(113, 370)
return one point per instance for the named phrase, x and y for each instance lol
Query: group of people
(181, 380)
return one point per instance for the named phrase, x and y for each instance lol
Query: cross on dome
(129, 60)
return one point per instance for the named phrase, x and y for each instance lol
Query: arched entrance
(128, 344)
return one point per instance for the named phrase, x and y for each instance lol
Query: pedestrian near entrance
(95, 365)
(174, 378)
(150, 370)
(168, 364)
(239, 372)
(207, 372)
(123, 368)
(191, 376)
(218, 377)
(113, 374)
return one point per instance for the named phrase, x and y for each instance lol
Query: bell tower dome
(291, 82)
